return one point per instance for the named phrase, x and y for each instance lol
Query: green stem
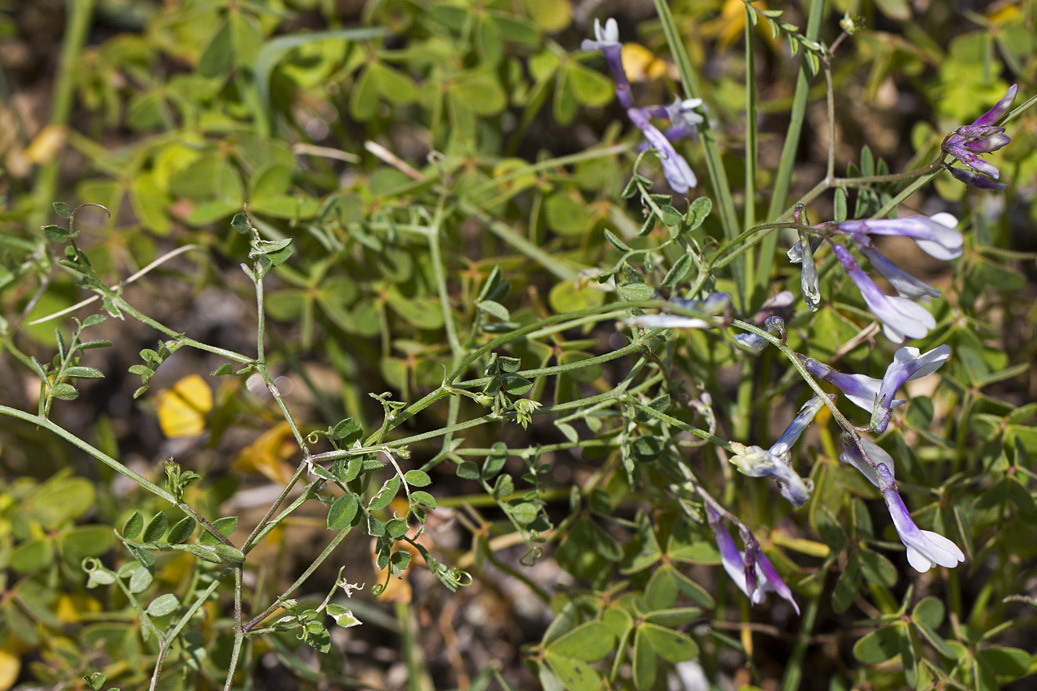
(335, 541)
(783, 176)
(172, 634)
(181, 339)
(714, 162)
(252, 538)
(517, 242)
(80, 16)
(239, 633)
(95, 452)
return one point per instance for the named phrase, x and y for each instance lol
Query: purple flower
(712, 306)
(678, 173)
(981, 137)
(877, 396)
(907, 364)
(925, 548)
(904, 283)
(607, 41)
(772, 316)
(684, 118)
(900, 316)
(775, 462)
(935, 235)
(752, 571)
(976, 180)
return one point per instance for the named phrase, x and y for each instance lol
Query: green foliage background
(453, 184)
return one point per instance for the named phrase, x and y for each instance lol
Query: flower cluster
(901, 316)
(751, 570)
(981, 137)
(876, 395)
(681, 114)
(925, 548)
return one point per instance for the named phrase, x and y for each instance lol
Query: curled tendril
(532, 555)
(462, 577)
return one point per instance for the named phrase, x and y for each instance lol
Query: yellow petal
(70, 608)
(10, 665)
(46, 145)
(268, 453)
(182, 409)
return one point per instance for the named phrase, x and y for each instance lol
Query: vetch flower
(925, 548)
(877, 396)
(976, 180)
(771, 316)
(752, 571)
(907, 364)
(935, 235)
(981, 137)
(712, 306)
(684, 118)
(678, 173)
(904, 283)
(775, 461)
(861, 389)
(607, 41)
(755, 462)
(852, 454)
(901, 318)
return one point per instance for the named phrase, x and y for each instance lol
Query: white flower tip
(938, 550)
(945, 219)
(892, 334)
(610, 33)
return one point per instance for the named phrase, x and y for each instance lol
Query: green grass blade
(714, 164)
(783, 178)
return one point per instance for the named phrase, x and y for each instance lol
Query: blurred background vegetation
(354, 127)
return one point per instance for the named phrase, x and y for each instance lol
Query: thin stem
(239, 633)
(714, 163)
(80, 15)
(251, 540)
(830, 106)
(143, 272)
(95, 452)
(180, 339)
(335, 541)
(172, 634)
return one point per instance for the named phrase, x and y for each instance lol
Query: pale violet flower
(925, 548)
(679, 174)
(685, 118)
(901, 318)
(877, 395)
(604, 36)
(775, 461)
(908, 364)
(710, 308)
(981, 137)
(751, 571)
(904, 283)
(935, 235)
